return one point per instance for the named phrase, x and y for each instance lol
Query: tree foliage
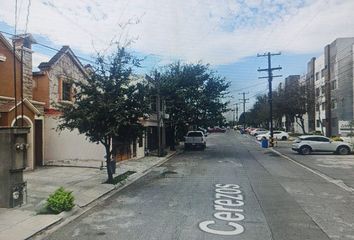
(108, 104)
(194, 95)
(290, 102)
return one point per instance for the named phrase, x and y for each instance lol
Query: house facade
(53, 85)
(18, 107)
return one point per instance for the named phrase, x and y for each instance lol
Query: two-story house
(53, 84)
(18, 107)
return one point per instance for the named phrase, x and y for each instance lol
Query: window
(317, 92)
(317, 107)
(323, 89)
(195, 134)
(333, 84)
(66, 91)
(317, 76)
(322, 139)
(323, 106)
(334, 104)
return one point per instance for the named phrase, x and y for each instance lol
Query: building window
(334, 84)
(317, 92)
(323, 89)
(317, 76)
(323, 106)
(317, 107)
(66, 91)
(334, 104)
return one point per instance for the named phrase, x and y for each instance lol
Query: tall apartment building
(334, 86)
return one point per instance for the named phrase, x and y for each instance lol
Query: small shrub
(337, 139)
(60, 201)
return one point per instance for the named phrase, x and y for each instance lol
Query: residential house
(53, 84)
(16, 100)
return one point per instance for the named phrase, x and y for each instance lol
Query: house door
(38, 143)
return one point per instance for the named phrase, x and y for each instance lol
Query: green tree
(108, 104)
(194, 95)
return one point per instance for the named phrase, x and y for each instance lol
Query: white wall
(140, 151)
(68, 145)
(297, 128)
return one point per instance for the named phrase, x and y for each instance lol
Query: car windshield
(195, 134)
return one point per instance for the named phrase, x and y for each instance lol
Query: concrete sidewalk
(87, 185)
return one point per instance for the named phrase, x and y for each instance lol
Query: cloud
(215, 31)
(37, 58)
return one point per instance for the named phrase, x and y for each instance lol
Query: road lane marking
(228, 198)
(337, 182)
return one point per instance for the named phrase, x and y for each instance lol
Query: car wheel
(284, 138)
(305, 150)
(343, 150)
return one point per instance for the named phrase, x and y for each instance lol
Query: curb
(68, 217)
(329, 179)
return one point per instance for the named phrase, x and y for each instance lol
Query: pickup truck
(195, 139)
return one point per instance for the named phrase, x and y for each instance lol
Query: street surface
(232, 190)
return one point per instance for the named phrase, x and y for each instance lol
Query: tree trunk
(108, 163)
(301, 124)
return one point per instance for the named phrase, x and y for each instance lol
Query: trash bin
(264, 142)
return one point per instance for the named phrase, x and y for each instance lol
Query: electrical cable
(28, 13)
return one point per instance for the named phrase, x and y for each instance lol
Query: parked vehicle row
(278, 135)
(216, 130)
(261, 133)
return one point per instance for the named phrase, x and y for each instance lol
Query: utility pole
(158, 106)
(244, 100)
(270, 95)
(236, 112)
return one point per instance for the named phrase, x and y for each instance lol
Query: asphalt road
(232, 190)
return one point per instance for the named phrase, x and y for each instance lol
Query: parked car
(278, 135)
(258, 131)
(249, 129)
(317, 143)
(216, 130)
(195, 139)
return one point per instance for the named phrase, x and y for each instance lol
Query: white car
(195, 139)
(317, 143)
(258, 131)
(278, 135)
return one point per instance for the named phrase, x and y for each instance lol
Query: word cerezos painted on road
(227, 203)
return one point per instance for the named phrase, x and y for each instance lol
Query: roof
(306, 136)
(8, 107)
(9, 46)
(64, 50)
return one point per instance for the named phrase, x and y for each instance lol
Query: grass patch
(122, 177)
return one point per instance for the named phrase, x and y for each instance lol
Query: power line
(28, 13)
(51, 48)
